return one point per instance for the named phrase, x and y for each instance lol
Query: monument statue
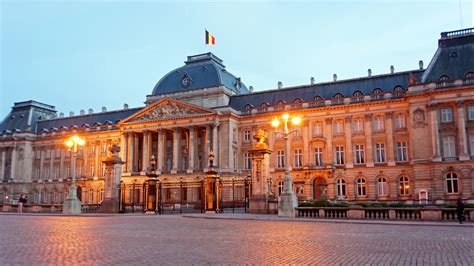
(260, 136)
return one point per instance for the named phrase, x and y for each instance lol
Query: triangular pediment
(167, 109)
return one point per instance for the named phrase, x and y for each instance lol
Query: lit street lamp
(288, 200)
(72, 205)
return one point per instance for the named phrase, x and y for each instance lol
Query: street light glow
(285, 116)
(275, 122)
(69, 143)
(296, 120)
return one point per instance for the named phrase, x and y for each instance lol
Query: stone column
(136, 156)
(389, 133)
(51, 163)
(2, 166)
(41, 171)
(160, 149)
(348, 135)
(97, 163)
(207, 146)
(215, 143)
(62, 172)
(260, 173)
(329, 157)
(174, 170)
(124, 144)
(368, 140)
(145, 152)
(306, 148)
(463, 153)
(113, 165)
(191, 150)
(13, 164)
(435, 135)
(85, 168)
(131, 144)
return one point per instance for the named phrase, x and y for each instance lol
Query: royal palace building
(401, 136)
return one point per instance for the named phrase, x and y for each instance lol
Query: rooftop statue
(260, 136)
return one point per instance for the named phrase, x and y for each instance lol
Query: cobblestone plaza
(138, 240)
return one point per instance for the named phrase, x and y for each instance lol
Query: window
(104, 148)
(68, 170)
(338, 127)
(404, 186)
(298, 100)
(398, 91)
(379, 152)
(280, 187)
(317, 129)
(91, 169)
(341, 188)
(449, 149)
(46, 173)
(377, 94)
(361, 187)
(357, 125)
(57, 153)
(471, 138)
(248, 107)
(92, 149)
(358, 96)
(296, 133)
(402, 151)
(446, 115)
(400, 121)
(339, 154)
(38, 154)
(378, 123)
(382, 186)
(280, 159)
(48, 153)
(452, 183)
(359, 154)
(91, 196)
(79, 170)
(247, 161)
(298, 158)
(318, 98)
(318, 156)
(339, 98)
(101, 195)
(470, 112)
(56, 171)
(247, 135)
(103, 170)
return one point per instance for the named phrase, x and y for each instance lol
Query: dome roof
(200, 71)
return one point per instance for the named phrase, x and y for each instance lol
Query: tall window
(318, 156)
(471, 137)
(382, 186)
(104, 148)
(452, 183)
(56, 171)
(402, 151)
(103, 170)
(247, 161)
(38, 154)
(400, 121)
(449, 149)
(317, 129)
(247, 135)
(470, 112)
(341, 188)
(339, 154)
(79, 169)
(48, 153)
(338, 127)
(91, 195)
(280, 187)
(101, 195)
(296, 133)
(91, 169)
(57, 153)
(359, 153)
(361, 187)
(446, 115)
(404, 186)
(378, 123)
(298, 158)
(68, 170)
(280, 159)
(379, 152)
(357, 125)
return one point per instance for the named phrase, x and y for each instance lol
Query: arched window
(469, 75)
(280, 102)
(377, 94)
(318, 98)
(298, 100)
(382, 186)
(264, 105)
(338, 95)
(248, 106)
(443, 78)
(338, 98)
(358, 96)
(404, 186)
(341, 188)
(452, 185)
(398, 91)
(358, 93)
(361, 187)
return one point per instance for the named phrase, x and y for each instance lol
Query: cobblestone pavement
(141, 239)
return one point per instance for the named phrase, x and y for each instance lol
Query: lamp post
(72, 205)
(288, 200)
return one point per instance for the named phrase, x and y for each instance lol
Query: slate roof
(454, 56)
(326, 90)
(24, 116)
(204, 71)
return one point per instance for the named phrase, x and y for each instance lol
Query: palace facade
(402, 136)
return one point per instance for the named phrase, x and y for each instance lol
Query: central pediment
(167, 109)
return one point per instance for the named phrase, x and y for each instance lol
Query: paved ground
(139, 239)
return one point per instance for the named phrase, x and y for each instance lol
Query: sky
(88, 54)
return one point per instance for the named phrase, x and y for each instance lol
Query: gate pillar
(113, 173)
(260, 194)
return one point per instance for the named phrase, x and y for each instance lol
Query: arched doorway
(79, 193)
(320, 188)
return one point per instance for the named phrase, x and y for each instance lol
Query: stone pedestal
(113, 172)
(72, 205)
(260, 196)
(288, 203)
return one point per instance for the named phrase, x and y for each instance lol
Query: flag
(210, 39)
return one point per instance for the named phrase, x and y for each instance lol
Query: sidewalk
(270, 217)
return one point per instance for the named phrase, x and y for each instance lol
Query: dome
(200, 71)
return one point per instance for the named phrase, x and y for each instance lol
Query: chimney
(334, 77)
(420, 63)
(369, 72)
(311, 80)
(392, 69)
(125, 106)
(91, 111)
(71, 113)
(251, 89)
(104, 109)
(61, 114)
(82, 112)
(280, 85)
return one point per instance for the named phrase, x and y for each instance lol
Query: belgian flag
(211, 40)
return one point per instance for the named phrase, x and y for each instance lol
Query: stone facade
(393, 137)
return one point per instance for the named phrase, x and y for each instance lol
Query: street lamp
(72, 205)
(288, 200)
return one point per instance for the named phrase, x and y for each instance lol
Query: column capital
(432, 106)
(348, 119)
(460, 103)
(368, 117)
(389, 114)
(329, 120)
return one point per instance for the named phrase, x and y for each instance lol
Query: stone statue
(261, 136)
